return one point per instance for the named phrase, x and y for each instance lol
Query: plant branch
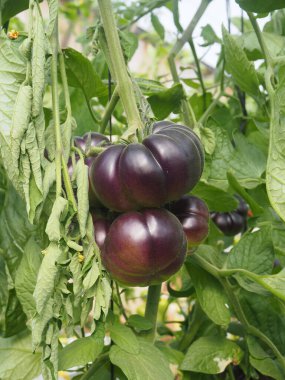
(109, 110)
(55, 107)
(152, 302)
(124, 83)
(199, 72)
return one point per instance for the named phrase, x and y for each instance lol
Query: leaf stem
(124, 83)
(199, 72)
(55, 108)
(188, 114)
(109, 110)
(152, 302)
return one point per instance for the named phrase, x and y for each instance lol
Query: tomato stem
(153, 297)
(188, 114)
(119, 69)
(109, 110)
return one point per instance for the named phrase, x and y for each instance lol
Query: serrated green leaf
(18, 361)
(81, 74)
(38, 63)
(92, 276)
(39, 323)
(209, 36)
(210, 294)
(261, 6)
(274, 283)
(83, 350)
(254, 252)
(53, 228)
(211, 355)
(34, 156)
(216, 199)
(53, 12)
(26, 276)
(238, 65)
(47, 275)
(20, 120)
(275, 184)
(82, 182)
(125, 338)
(158, 27)
(139, 323)
(129, 43)
(149, 364)
(262, 361)
(167, 101)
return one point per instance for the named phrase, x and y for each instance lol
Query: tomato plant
(142, 188)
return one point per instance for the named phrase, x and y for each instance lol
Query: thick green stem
(153, 297)
(124, 83)
(55, 107)
(109, 110)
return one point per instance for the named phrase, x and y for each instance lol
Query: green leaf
(38, 63)
(10, 8)
(53, 227)
(53, 12)
(17, 359)
(148, 364)
(82, 182)
(92, 276)
(129, 43)
(238, 65)
(125, 338)
(211, 355)
(216, 199)
(210, 294)
(275, 182)
(274, 43)
(26, 276)
(174, 6)
(261, 6)
(139, 323)
(46, 279)
(208, 139)
(262, 361)
(209, 36)
(167, 101)
(274, 283)
(267, 315)
(83, 350)
(245, 161)
(254, 252)
(81, 74)
(34, 156)
(158, 27)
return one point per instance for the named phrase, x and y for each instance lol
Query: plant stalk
(109, 110)
(152, 302)
(124, 83)
(55, 107)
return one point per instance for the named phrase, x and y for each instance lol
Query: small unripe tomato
(193, 214)
(144, 248)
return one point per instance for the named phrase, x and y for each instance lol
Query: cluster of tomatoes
(141, 215)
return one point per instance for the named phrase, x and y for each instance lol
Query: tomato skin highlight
(194, 215)
(144, 248)
(167, 164)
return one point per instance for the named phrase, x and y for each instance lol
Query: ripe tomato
(144, 248)
(167, 164)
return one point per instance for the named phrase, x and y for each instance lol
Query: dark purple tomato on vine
(194, 215)
(230, 223)
(101, 222)
(144, 248)
(167, 164)
(91, 139)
